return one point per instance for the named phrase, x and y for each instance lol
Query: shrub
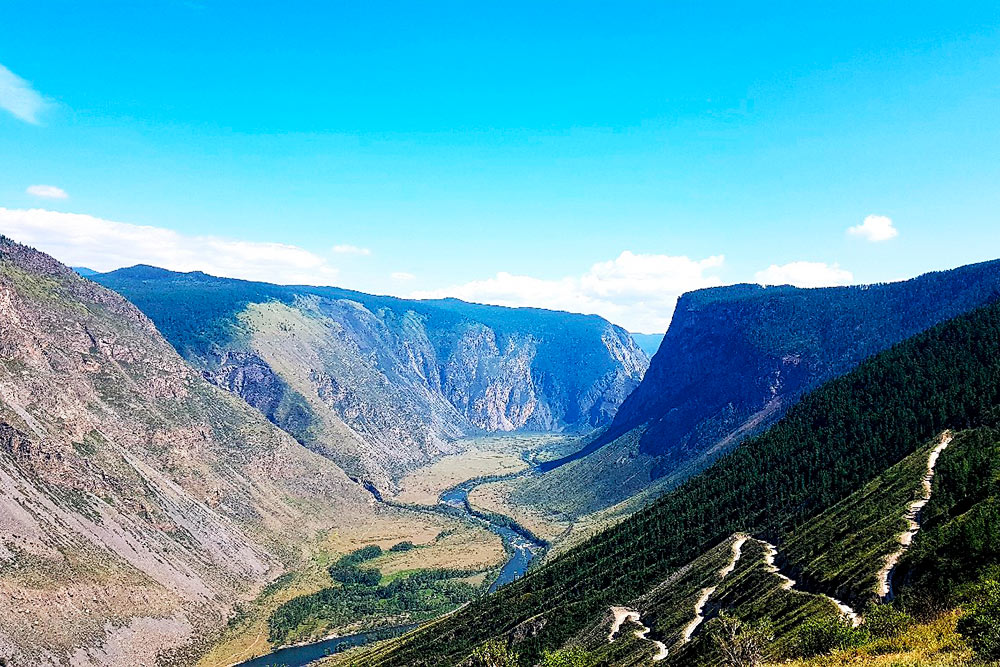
(348, 574)
(567, 657)
(980, 626)
(819, 636)
(361, 555)
(403, 546)
(742, 644)
(494, 653)
(883, 621)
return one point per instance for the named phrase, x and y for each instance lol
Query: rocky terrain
(138, 502)
(382, 385)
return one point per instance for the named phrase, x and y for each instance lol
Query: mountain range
(813, 467)
(139, 504)
(781, 549)
(382, 385)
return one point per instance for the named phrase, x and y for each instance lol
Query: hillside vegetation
(834, 442)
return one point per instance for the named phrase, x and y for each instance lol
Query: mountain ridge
(837, 439)
(138, 503)
(399, 380)
(734, 359)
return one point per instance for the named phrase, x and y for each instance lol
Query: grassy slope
(933, 643)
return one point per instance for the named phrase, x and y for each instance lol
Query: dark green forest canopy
(196, 312)
(837, 438)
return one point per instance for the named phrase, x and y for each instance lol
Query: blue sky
(600, 157)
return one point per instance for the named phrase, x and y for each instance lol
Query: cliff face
(735, 358)
(137, 501)
(382, 385)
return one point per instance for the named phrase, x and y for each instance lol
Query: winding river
(518, 543)
(305, 654)
(521, 546)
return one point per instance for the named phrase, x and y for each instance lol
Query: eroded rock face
(393, 382)
(135, 497)
(736, 358)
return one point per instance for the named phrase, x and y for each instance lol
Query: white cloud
(47, 192)
(102, 245)
(401, 275)
(636, 291)
(875, 228)
(804, 274)
(18, 97)
(350, 250)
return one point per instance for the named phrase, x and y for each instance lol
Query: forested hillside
(733, 361)
(381, 384)
(833, 442)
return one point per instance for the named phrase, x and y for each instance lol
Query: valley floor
(441, 542)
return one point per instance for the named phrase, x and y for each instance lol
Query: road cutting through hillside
(912, 517)
(787, 584)
(699, 606)
(622, 614)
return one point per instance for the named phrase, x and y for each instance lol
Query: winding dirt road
(622, 614)
(699, 606)
(912, 517)
(787, 584)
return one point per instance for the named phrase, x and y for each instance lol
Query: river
(299, 656)
(522, 547)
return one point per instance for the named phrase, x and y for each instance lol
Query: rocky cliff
(732, 362)
(138, 502)
(382, 385)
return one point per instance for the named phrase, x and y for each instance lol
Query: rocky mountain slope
(380, 384)
(138, 502)
(732, 363)
(769, 535)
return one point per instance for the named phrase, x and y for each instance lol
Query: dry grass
(423, 486)
(496, 497)
(925, 644)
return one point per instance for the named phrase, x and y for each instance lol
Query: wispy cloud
(19, 98)
(874, 228)
(805, 274)
(47, 192)
(83, 240)
(637, 291)
(350, 250)
(401, 275)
